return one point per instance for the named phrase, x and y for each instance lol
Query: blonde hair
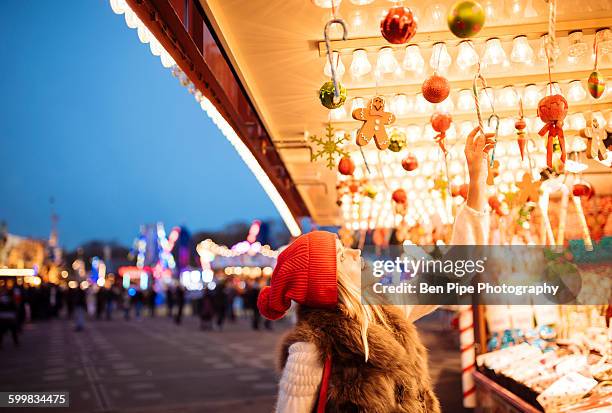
(356, 307)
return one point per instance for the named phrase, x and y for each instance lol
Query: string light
(576, 92)
(400, 105)
(521, 51)
(440, 59)
(508, 97)
(357, 103)
(386, 61)
(556, 50)
(494, 53)
(421, 105)
(467, 56)
(360, 66)
(465, 100)
(338, 65)
(577, 47)
(413, 60)
(531, 95)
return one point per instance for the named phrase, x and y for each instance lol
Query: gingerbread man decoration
(528, 190)
(493, 172)
(595, 136)
(375, 118)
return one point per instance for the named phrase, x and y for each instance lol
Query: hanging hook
(330, 52)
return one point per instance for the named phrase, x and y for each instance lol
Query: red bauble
(346, 166)
(410, 162)
(435, 88)
(399, 25)
(440, 122)
(552, 108)
(399, 196)
(583, 189)
(354, 187)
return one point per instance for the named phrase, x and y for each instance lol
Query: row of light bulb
(403, 105)
(467, 56)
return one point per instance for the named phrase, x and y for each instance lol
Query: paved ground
(155, 366)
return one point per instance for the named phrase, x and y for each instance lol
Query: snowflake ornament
(329, 147)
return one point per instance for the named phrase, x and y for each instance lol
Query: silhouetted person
(170, 300)
(151, 301)
(8, 315)
(206, 311)
(250, 303)
(220, 305)
(180, 303)
(100, 302)
(80, 307)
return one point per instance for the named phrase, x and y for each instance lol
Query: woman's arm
(299, 384)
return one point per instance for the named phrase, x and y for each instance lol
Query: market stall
(355, 114)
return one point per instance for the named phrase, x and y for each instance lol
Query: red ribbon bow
(554, 130)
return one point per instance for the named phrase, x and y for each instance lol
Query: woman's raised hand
(477, 147)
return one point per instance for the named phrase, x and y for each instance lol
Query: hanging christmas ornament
(528, 190)
(595, 136)
(346, 165)
(353, 186)
(583, 189)
(435, 88)
(520, 126)
(369, 191)
(399, 25)
(410, 162)
(497, 206)
(552, 111)
(397, 140)
(493, 118)
(327, 95)
(346, 237)
(440, 183)
(330, 146)
(332, 94)
(466, 19)
(440, 122)
(597, 82)
(374, 120)
(399, 196)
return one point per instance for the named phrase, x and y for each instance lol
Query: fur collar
(395, 377)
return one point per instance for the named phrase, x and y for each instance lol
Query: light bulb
(338, 65)
(489, 10)
(118, 6)
(357, 20)
(506, 127)
(531, 95)
(515, 8)
(467, 56)
(465, 100)
(446, 106)
(400, 105)
(521, 51)
(465, 128)
(555, 52)
(337, 114)
(486, 98)
(508, 97)
(386, 61)
(552, 89)
(577, 47)
(440, 59)
(360, 66)
(575, 91)
(605, 41)
(357, 103)
(437, 14)
(576, 121)
(413, 61)
(362, 2)
(131, 19)
(327, 4)
(421, 105)
(494, 53)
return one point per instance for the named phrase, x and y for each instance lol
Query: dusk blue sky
(89, 116)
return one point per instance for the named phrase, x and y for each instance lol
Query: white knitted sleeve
(471, 227)
(299, 384)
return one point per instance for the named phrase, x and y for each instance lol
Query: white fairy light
(337, 114)
(386, 62)
(577, 47)
(437, 13)
(506, 128)
(465, 100)
(440, 59)
(508, 97)
(576, 121)
(421, 105)
(360, 66)
(521, 51)
(446, 106)
(413, 60)
(467, 56)
(400, 105)
(494, 53)
(338, 65)
(531, 95)
(576, 92)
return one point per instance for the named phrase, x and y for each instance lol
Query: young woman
(343, 356)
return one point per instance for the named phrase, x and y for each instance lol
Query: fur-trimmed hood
(395, 379)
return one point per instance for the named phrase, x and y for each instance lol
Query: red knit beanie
(305, 272)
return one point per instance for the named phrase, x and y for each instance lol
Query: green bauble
(596, 84)
(326, 95)
(466, 18)
(397, 141)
